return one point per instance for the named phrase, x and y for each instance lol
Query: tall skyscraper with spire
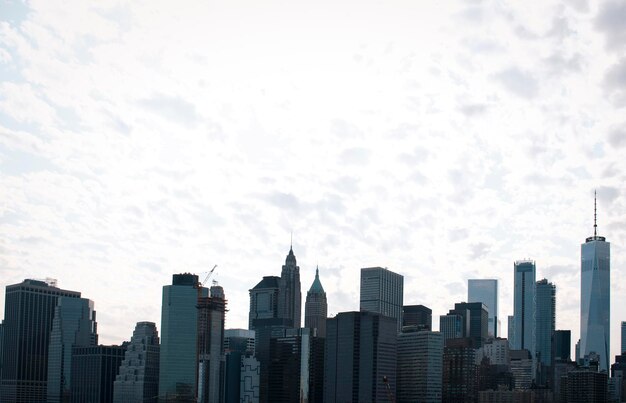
(316, 307)
(595, 296)
(290, 296)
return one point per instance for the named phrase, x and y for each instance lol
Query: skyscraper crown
(316, 287)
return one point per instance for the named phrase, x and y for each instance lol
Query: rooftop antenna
(291, 241)
(595, 215)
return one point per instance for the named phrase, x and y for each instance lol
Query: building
(460, 380)
(74, 324)
(178, 364)
(545, 325)
(595, 297)
(486, 291)
(264, 302)
(474, 321)
(94, 370)
(360, 353)
(417, 315)
(211, 317)
(511, 330)
(420, 365)
(382, 291)
(524, 305)
(562, 345)
(617, 386)
(497, 351)
(250, 379)
(316, 307)
(137, 380)
(584, 386)
(28, 317)
(452, 326)
(238, 343)
(290, 296)
(296, 368)
(623, 329)
(522, 368)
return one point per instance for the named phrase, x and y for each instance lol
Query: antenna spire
(595, 215)
(291, 241)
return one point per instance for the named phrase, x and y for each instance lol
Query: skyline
(144, 139)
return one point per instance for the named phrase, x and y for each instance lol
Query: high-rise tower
(316, 307)
(595, 296)
(524, 305)
(382, 291)
(290, 296)
(545, 321)
(486, 291)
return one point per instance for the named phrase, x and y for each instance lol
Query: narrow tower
(316, 307)
(595, 296)
(290, 296)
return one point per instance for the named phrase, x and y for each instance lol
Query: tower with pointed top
(290, 296)
(595, 296)
(316, 307)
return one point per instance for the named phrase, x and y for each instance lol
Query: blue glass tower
(595, 296)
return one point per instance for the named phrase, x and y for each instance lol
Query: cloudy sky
(441, 139)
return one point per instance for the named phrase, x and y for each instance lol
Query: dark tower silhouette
(316, 307)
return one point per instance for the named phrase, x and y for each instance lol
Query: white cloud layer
(443, 140)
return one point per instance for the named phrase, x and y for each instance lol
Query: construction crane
(208, 276)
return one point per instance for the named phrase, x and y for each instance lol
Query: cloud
(615, 83)
(518, 82)
(617, 136)
(173, 108)
(611, 21)
(355, 156)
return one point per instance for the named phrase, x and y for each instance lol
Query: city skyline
(142, 139)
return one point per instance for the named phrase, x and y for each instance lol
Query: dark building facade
(290, 295)
(211, 316)
(474, 323)
(28, 315)
(545, 325)
(584, 386)
(460, 380)
(360, 351)
(137, 380)
(316, 307)
(94, 370)
(417, 315)
(238, 343)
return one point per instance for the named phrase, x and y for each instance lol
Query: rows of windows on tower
(385, 352)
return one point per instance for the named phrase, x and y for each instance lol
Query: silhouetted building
(545, 322)
(617, 386)
(475, 319)
(417, 315)
(211, 316)
(290, 296)
(238, 343)
(584, 386)
(316, 307)
(562, 345)
(28, 316)
(74, 324)
(137, 380)
(561, 369)
(382, 291)
(486, 291)
(93, 373)
(360, 351)
(511, 331)
(493, 376)
(296, 369)
(595, 297)
(524, 305)
(452, 326)
(178, 369)
(420, 366)
(522, 369)
(460, 380)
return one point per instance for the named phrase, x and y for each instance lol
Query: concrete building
(595, 297)
(74, 324)
(511, 330)
(382, 291)
(137, 380)
(420, 365)
(360, 353)
(316, 307)
(486, 291)
(28, 318)
(178, 367)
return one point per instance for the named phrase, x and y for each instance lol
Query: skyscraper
(137, 380)
(545, 320)
(420, 365)
(511, 330)
(382, 291)
(452, 325)
(316, 307)
(473, 322)
(360, 351)
(460, 383)
(179, 358)
(290, 296)
(74, 324)
(238, 344)
(417, 315)
(623, 346)
(211, 315)
(524, 305)
(28, 315)
(93, 372)
(486, 291)
(595, 297)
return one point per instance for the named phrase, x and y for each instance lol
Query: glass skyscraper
(524, 306)
(382, 291)
(595, 298)
(486, 291)
(545, 321)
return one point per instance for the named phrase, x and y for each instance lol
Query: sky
(443, 140)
